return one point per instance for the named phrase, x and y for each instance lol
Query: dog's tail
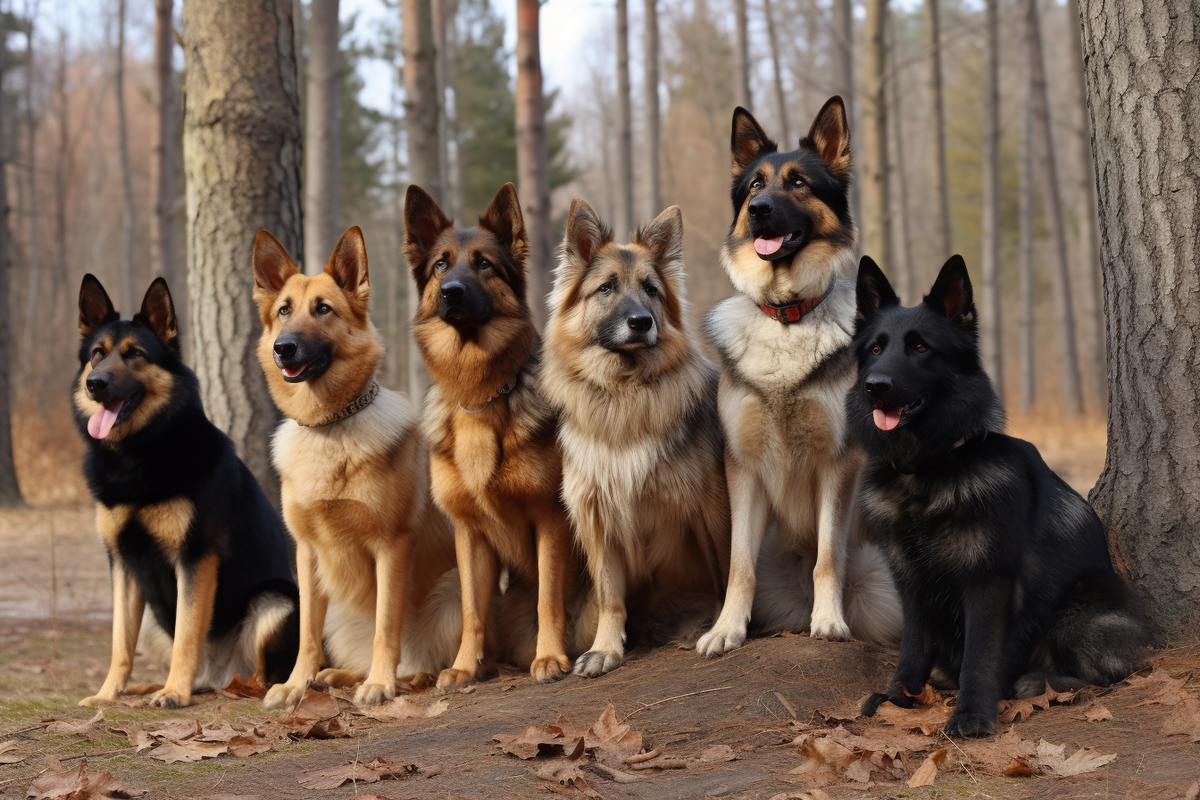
(783, 594)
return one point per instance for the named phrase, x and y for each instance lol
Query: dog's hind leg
(193, 615)
(748, 506)
(829, 572)
(128, 608)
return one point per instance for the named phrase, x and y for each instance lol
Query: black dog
(1003, 570)
(188, 530)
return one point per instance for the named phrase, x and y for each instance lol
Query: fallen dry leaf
(534, 740)
(187, 752)
(928, 719)
(252, 688)
(1022, 709)
(403, 708)
(9, 754)
(716, 754)
(1098, 714)
(994, 755)
(1193, 791)
(76, 726)
(1050, 758)
(926, 774)
(830, 755)
(1184, 719)
(316, 706)
(1018, 768)
(1170, 690)
(612, 741)
(357, 771)
(78, 784)
(811, 794)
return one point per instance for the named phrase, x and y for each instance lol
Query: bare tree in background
(62, 168)
(1064, 311)
(876, 222)
(1150, 248)
(842, 58)
(623, 219)
(165, 153)
(421, 128)
(777, 73)
(991, 330)
(34, 255)
(741, 57)
(942, 238)
(10, 493)
(533, 164)
(903, 267)
(1025, 213)
(242, 157)
(130, 266)
(653, 115)
(322, 135)
(441, 70)
(1089, 243)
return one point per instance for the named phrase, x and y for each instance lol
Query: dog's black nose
(453, 290)
(760, 208)
(641, 322)
(97, 384)
(878, 385)
(285, 348)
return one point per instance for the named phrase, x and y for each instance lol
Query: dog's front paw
(879, 698)
(719, 641)
(595, 663)
(99, 698)
(284, 695)
(340, 678)
(372, 694)
(971, 725)
(548, 669)
(835, 630)
(171, 698)
(452, 680)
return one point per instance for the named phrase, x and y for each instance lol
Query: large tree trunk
(166, 150)
(741, 57)
(533, 166)
(454, 188)
(623, 221)
(876, 222)
(242, 157)
(1143, 98)
(777, 74)
(35, 255)
(10, 493)
(653, 115)
(441, 68)
(421, 127)
(131, 271)
(941, 186)
(322, 135)
(1027, 367)
(991, 329)
(1085, 202)
(903, 267)
(1064, 309)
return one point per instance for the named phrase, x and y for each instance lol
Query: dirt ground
(758, 709)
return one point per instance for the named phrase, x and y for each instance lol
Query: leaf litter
(79, 784)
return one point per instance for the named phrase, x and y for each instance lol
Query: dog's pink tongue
(102, 421)
(887, 419)
(292, 372)
(766, 247)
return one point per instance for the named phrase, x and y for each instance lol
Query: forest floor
(775, 719)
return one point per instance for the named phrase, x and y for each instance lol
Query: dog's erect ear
(663, 236)
(586, 233)
(830, 136)
(874, 291)
(748, 141)
(424, 222)
(503, 218)
(158, 314)
(95, 309)
(951, 293)
(348, 265)
(272, 268)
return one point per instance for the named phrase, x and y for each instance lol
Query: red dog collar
(793, 312)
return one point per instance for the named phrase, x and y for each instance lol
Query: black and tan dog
(371, 548)
(494, 461)
(188, 530)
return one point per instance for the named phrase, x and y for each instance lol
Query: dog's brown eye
(921, 348)
(324, 308)
(133, 352)
(758, 184)
(606, 288)
(484, 263)
(97, 353)
(876, 350)
(651, 290)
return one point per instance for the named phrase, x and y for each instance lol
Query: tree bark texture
(35, 255)
(1026, 365)
(990, 328)
(322, 135)
(1144, 102)
(242, 158)
(876, 221)
(903, 268)
(1064, 305)
(623, 221)
(653, 114)
(533, 166)
(741, 56)
(941, 185)
(842, 58)
(10, 493)
(441, 69)
(130, 265)
(166, 151)
(1089, 245)
(777, 73)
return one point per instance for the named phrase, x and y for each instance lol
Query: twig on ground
(640, 757)
(96, 754)
(669, 699)
(615, 774)
(963, 760)
(787, 705)
(662, 763)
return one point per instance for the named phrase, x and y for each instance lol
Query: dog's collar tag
(789, 313)
(353, 407)
(503, 390)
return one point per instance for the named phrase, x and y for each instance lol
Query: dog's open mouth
(889, 416)
(298, 373)
(773, 248)
(111, 414)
